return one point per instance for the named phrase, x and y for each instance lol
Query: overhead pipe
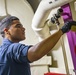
(41, 14)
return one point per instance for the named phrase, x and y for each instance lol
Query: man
(15, 57)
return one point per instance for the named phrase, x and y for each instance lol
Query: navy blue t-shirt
(13, 58)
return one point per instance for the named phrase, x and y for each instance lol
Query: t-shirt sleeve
(19, 52)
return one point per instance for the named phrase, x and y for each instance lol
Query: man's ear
(5, 29)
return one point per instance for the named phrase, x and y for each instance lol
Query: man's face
(17, 31)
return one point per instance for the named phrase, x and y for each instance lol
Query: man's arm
(43, 47)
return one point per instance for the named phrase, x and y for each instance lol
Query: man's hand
(67, 26)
